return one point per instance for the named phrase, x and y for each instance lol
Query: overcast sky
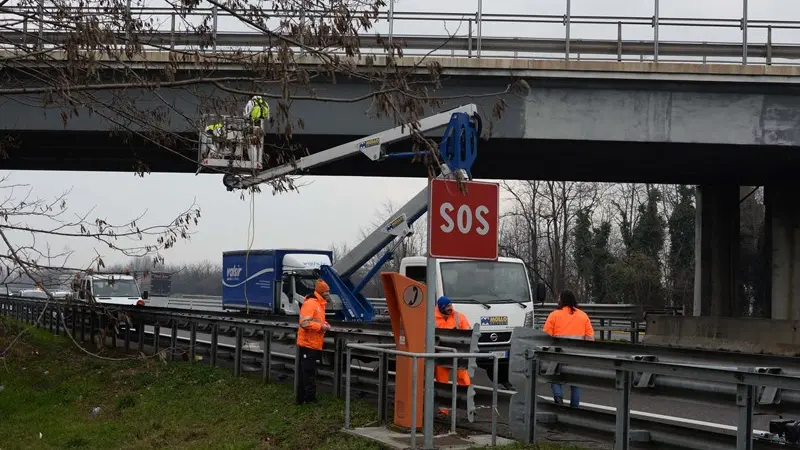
(335, 210)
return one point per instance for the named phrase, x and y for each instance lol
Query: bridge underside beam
(499, 158)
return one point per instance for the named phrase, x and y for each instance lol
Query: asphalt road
(639, 402)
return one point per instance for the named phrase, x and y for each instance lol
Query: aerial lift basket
(232, 144)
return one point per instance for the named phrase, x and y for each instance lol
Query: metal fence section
(464, 37)
(701, 377)
(453, 357)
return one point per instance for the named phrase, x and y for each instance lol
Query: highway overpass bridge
(720, 126)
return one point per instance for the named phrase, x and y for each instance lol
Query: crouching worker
(310, 336)
(447, 317)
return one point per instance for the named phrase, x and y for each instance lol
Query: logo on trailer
(494, 320)
(233, 272)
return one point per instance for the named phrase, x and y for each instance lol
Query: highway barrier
(752, 383)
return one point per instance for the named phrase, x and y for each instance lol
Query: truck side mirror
(541, 292)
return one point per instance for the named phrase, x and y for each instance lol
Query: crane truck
(495, 294)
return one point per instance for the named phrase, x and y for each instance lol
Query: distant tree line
(610, 243)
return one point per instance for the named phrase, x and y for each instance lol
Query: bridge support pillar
(716, 251)
(783, 239)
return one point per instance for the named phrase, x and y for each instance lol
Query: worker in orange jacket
(447, 317)
(310, 335)
(568, 322)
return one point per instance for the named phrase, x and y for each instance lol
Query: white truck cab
(495, 294)
(111, 289)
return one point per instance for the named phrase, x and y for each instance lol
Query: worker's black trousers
(307, 377)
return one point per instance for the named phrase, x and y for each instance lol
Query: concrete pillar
(717, 251)
(783, 237)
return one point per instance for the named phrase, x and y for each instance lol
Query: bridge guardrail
(469, 39)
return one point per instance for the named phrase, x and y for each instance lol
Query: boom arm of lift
(457, 147)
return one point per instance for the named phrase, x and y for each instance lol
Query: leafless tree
(29, 225)
(546, 210)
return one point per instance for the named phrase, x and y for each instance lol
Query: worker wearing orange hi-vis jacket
(310, 335)
(447, 317)
(569, 322)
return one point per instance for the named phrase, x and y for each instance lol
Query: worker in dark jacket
(310, 335)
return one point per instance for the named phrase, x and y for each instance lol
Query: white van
(111, 289)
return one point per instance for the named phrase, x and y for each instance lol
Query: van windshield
(114, 288)
(485, 281)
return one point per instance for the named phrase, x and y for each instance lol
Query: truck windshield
(304, 286)
(115, 288)
(485, 281)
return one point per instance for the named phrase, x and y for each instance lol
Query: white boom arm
(372, 146)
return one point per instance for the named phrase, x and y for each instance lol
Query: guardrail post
(769, 45)
(127, 343)
(237, 360)
(745, 400)
(469, 39)
(656, 17)
(214, 28)
(391, 21)
(214, 343)
(156, 337)
(140, 335)
(74, 324)
(173, 339)
(383, 386)
(347, 387)
(479, 23)
(567, 20)
(266, 357)
(744, 32)
(622, 439)
(532, 373)
(193, 341)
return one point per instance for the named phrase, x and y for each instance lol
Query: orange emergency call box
(406, 300)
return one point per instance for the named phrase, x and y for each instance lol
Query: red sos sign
(463, 226)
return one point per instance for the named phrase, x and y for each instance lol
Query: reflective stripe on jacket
(443, 321)
(310, 332)
(565, 323)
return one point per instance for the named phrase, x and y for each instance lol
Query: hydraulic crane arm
(372, 146)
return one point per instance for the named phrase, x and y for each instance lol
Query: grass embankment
(50, 390)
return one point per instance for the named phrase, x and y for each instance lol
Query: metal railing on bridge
(464, 37)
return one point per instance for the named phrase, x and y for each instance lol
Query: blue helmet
(443, 302)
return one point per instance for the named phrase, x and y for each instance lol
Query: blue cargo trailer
(272, 281)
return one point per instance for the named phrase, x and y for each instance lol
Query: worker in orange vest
(310, 336)
(568, 322)
(447, 317)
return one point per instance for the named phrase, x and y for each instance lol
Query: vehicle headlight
(528, 319)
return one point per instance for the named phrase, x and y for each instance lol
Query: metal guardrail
(465, 39)
(666, 371)
(753, 383)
